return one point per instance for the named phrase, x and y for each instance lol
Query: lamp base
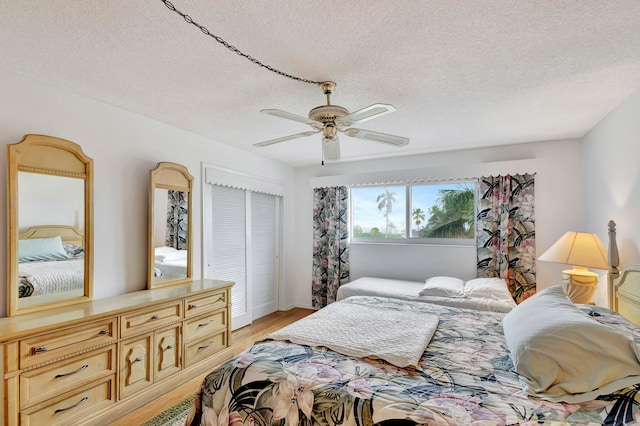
(579, 284)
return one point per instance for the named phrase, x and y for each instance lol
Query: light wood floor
(240, 340)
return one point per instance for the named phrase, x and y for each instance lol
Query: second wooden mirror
(170, 254)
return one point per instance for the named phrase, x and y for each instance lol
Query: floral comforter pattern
(464, 377)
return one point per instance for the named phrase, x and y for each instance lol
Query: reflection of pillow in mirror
(73, 250)
(176, 255)
(39, 249)
(160, 251)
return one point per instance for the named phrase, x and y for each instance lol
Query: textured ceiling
(461, 73)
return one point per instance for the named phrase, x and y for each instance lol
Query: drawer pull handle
(205, 324)
(168, 347)
(40, 350)
(155, 317)
(192, 306)
(103, 332)
(220, 299)
(84, 367)
(205, 346)
(60, 410)
(137, 360)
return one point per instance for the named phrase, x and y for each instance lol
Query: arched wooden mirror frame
(47, 155)
(172, 177)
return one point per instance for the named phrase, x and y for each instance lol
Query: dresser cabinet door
(136, 371)
(168, 354)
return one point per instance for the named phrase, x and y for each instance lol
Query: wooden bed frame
(69, 234)
(623, 287)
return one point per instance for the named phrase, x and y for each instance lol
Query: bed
(51, 260)
(170, 263)
(547, 361)
(487, 294)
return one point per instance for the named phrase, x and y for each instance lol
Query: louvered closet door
(241, 245)
(226, 247)
(264, 249)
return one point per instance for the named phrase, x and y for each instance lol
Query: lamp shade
(578, 249)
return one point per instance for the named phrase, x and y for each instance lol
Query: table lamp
(582, 250)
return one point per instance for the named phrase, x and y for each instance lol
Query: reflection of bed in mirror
(170, 263)
(51, 260)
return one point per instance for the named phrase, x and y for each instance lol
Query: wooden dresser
(94, 362)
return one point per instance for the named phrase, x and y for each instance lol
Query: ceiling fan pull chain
(220, 40)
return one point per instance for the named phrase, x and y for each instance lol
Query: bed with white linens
(375, 360)
(487, 294)
(50, 260)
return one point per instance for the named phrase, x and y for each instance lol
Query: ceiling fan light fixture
(330, 148)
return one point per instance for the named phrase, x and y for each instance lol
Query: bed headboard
(623, 286)
(69, 234)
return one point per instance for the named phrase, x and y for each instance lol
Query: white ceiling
(461, 73)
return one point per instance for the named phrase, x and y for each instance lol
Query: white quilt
(396, 336)
(53, 277)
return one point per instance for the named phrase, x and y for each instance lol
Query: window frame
(407, 239)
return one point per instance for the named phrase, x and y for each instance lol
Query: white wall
(559, 197)
(612, 154)
(124, 147)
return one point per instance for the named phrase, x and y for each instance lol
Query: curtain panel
(505, 232)
(177, 214)
(330, 243)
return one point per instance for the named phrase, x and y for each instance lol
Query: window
(416, 213)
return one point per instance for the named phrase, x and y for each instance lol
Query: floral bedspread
(464, 377)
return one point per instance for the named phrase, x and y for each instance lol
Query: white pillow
(160, 251)
(490, 288)
(443, 287)
(41, 249)
(176, 255)
(562, 354)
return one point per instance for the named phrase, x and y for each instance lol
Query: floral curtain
(330, 244)
(505, 232)
(177, 209)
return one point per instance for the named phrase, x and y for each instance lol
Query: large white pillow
(443, 287)
(562, 354)
(491, 288)
(41, 249)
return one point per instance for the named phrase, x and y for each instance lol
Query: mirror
(50, 214)
(169, 225)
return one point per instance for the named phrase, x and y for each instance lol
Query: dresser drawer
(73, 407)
(41, 349)
(205, 325)
(199, 350)
(199, 305)
(139, 322)
(55, 379)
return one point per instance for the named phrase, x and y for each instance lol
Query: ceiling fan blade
(330, 149)
(286, 138)
(290, 116)
(364, 114)
(370, 135)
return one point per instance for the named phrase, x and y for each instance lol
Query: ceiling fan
(331, 119)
